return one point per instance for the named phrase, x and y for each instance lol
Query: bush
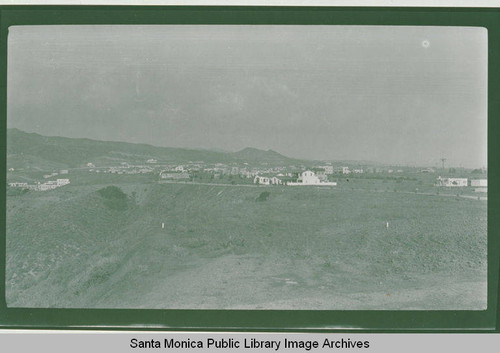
(112, 192)
(114, 198)
(263, 196)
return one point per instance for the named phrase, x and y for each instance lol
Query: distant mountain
(75, 152)
(253, 155)
(36, 151)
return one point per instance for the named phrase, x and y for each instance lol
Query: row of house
(329, 169)
(222, 169)
(53, 174)
(461, 182)
(49, 185)
(175, 175)
(125, 170)
(266, 180)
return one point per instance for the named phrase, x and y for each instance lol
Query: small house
(452, 182)
(479, 182)
(275, 180)
(261, 180)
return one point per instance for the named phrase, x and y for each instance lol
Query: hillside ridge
(74, 152)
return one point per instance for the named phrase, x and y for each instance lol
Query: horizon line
(201, 149)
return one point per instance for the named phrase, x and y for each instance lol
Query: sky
(392, 94)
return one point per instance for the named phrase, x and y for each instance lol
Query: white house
(328, 169)
(61, 182)
(275, 180)
(309, 178)
(345, 170)
(46, 186)
(451, 182)
(235, 170)
(261, 180)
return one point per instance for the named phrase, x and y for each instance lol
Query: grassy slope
(302, 248)
(74, 152)
(34, 151)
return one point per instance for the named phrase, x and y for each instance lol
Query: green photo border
(264, 320)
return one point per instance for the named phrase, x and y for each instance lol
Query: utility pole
(442, 162)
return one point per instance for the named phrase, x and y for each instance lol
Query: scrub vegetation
(367, 244)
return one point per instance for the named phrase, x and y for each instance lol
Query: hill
(253, 155)
(44, 152)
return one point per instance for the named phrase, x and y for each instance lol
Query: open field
(257, 166)
(302, 248)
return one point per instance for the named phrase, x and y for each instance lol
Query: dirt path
(257, 282)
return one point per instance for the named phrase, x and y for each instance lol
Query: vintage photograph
(258, 167)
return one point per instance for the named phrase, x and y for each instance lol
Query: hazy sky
(401, 95)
